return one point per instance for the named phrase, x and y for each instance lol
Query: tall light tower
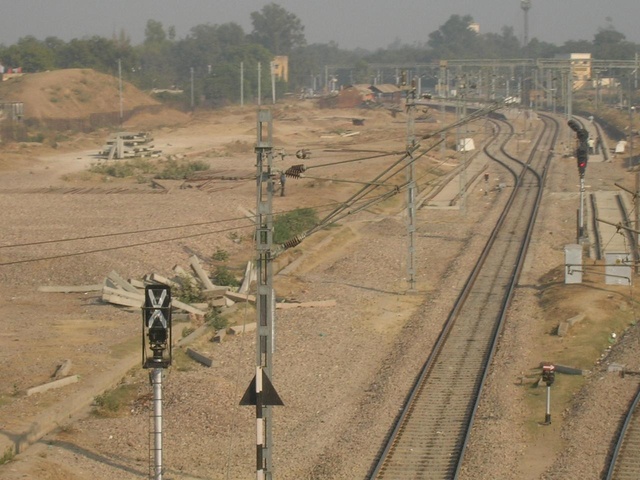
(525, 5)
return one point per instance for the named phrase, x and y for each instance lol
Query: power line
(120, 247)
(148, 242)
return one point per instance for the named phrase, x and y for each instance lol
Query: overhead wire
(331, 218)
(138, 244)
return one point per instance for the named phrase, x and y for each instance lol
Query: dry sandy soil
(342, 372)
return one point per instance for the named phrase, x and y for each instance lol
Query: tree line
(209, 57)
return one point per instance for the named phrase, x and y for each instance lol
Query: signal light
(582, 149)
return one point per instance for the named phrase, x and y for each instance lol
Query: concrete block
(240, 329)
(216, 292)
(578, 318)
(202, 275)
(121, 282)
(63, 369)
(240, 297)
(218, 302)
(55, 384)
(563, 328)
(219, 336)
(70, 288)
(198, 357)
(615, 368)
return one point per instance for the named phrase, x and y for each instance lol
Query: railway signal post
(548, 376)
(156, 328)
(582, 156)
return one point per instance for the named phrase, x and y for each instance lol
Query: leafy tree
(154, 33)
(454, 39)
(505, 45)
(609, 43)
(277, 29)
(29, 53)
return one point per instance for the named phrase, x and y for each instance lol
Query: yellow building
(580, 65)
(280, 67)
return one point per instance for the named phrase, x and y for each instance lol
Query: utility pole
(273, 83)
(526, 6)
(261, 392)
(259, 84)
(411, 190)
(192, 98)
(120, 87)
(242, 84)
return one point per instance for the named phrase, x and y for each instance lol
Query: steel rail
(430, 434)
(625, 464)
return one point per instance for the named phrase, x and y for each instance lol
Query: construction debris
(129, 145)
(55, 384)
(198, 357)
(130, 293)
(63, 370)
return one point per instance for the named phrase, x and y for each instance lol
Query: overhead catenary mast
(525, 5)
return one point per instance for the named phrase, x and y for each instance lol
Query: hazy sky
(368, 24)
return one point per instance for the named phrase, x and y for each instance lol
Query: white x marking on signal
(157, 314)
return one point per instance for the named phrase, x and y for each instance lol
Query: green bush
(220, 255)
(174, 170)
(189, 291)
(123, 169)
(217, 321)
(222, 276)
(288, 225)
(111, 402)
(8, 455)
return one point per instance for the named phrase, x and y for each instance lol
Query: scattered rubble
(129, 145)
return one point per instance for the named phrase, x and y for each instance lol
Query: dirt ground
(343, 371)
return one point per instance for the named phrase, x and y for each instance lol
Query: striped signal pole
(261, 392)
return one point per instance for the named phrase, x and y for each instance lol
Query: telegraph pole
(192, 98)
(411, 190)
(261, 392)
(120, 87)
(259, 84)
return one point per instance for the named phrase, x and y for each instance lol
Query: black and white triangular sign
(269, 394)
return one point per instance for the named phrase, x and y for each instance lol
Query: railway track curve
(431, 432)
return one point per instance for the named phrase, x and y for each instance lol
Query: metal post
(411, 190)
(581, 232)
(156, 328)
(273, 83)
(120, 88)
(259, 84)
(326, 79)
(265, 298)
(192, 98)
(242, 84)
(570, 92)
(157, 423)
(547, 415)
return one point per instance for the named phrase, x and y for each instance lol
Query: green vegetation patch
(112, 402)
(288, 225)
(174, 170)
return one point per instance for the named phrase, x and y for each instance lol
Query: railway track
(430, 435)
(625, 462)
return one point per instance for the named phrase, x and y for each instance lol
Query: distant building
(580, 64)
(387, 92)
(280, 67)
(354, 96)
(474, 27)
